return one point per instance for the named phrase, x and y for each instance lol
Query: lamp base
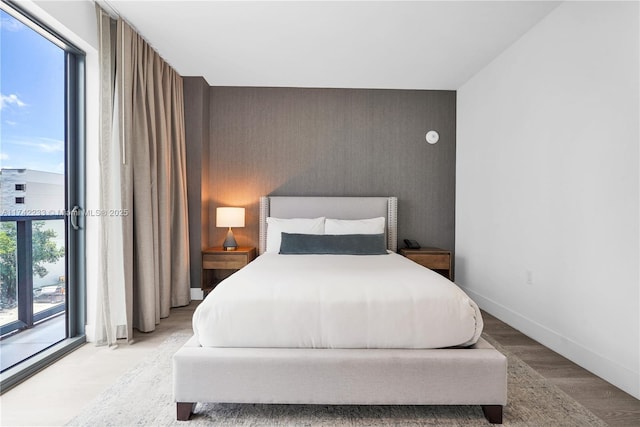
(230, 243)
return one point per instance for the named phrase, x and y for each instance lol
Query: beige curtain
(154, 129)
(148, 136)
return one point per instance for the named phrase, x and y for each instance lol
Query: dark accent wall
(334, 142)
(196, 111)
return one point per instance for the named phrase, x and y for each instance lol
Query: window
(42, 279)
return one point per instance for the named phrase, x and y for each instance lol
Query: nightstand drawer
(218, 264)
(230, 262)
(437, 261)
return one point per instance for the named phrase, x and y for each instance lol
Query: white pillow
(277, 226)
(354, 226)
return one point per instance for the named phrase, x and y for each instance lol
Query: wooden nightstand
(436, 259)
(218, 264)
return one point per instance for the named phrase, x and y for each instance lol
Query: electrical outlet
(529, 277)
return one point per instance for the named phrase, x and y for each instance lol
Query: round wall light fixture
(432, 137)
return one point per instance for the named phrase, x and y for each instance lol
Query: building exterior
(28, 192)
(31, 192)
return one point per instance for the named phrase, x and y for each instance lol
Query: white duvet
(336, 301)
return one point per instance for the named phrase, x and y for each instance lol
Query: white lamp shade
(229, 217)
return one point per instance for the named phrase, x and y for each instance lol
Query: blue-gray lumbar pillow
(336, 244)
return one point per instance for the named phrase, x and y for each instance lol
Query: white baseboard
(90, 332)
(197, 294)
(620, 376)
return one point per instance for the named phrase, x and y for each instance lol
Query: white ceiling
(361, 44)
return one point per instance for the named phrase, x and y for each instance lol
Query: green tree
(44, 251)
(7, 265)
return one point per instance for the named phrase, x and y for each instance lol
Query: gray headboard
(330, 207)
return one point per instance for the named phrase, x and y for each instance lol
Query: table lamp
(230, 217)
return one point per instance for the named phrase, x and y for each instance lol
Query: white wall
(548, 187)
(74, 19)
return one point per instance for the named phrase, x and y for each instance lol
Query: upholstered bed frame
(471, 376)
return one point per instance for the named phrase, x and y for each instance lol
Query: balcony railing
(26, 245)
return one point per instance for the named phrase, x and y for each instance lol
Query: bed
(377, 360)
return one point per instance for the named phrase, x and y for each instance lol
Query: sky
(32, 99)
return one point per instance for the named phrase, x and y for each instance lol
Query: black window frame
(75, 137)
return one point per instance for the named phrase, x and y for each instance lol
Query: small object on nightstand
(436, 259)
(411, 244)
(218, 258)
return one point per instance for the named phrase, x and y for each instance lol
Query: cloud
(40, 144)
(4, 156)
(10, 123)
(49, 145)
(11, 24)
(11, 99)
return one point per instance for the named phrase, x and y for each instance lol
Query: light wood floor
(55, 395)
(609, 403)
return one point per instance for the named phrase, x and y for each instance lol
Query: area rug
(143, 397)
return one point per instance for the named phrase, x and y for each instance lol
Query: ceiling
(360, 44)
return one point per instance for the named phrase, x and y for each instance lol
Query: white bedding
(336, 301)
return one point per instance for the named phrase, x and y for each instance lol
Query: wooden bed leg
(184, 410)
(493, 413)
